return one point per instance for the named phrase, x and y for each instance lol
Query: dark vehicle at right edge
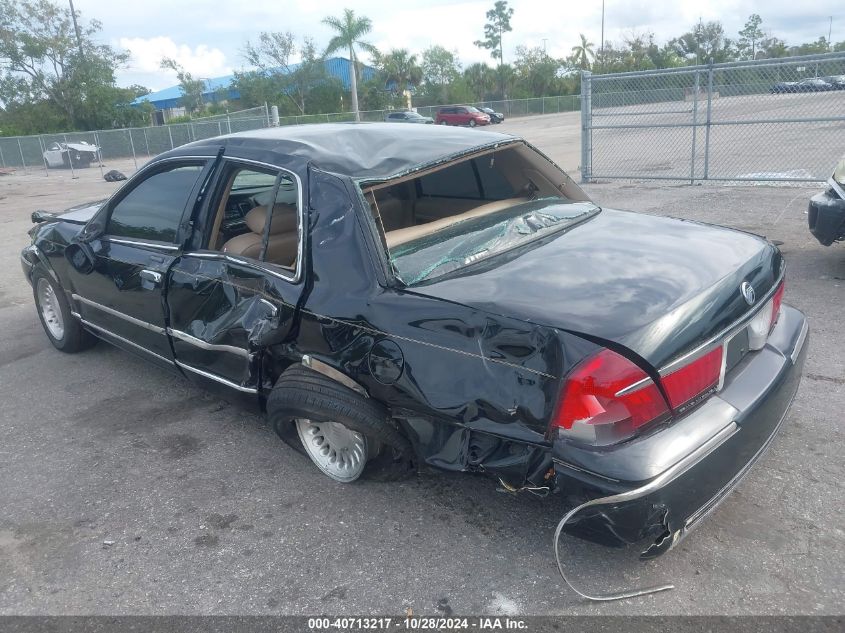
(826, 215)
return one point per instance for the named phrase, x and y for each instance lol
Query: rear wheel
(345, 435)
(335, 449)
(62, 328)
(443, 122)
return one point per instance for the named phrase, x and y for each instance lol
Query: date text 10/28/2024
(414, 623)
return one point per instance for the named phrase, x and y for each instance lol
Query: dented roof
(363, 151)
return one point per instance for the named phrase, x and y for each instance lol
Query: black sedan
(495, 117)
(394, 296)
(814, 84)
(826, 215)
(837, 81)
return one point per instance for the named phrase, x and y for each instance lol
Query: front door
(123, 298)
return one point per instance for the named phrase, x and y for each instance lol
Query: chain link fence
(81, 150)
(764, 120)
(98, 148)
(509, 107)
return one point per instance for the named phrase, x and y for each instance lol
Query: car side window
(153, 209)
(248, 221)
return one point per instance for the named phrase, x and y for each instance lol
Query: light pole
(601, 48)
(76, 29)
(829, 33)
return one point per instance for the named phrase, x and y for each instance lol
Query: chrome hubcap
(336, 450)
(50, 310)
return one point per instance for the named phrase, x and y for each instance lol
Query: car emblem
(748, 293)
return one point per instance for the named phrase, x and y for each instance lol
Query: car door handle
(151, 275)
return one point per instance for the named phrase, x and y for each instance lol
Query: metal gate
(765, 120)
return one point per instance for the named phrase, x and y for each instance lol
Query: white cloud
(147, 53)
(208, 38)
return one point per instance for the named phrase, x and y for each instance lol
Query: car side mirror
(81, 256)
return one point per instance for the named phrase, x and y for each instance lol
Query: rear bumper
(826, 217)
(654, 490)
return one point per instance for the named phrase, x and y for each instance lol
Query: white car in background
(80, 154)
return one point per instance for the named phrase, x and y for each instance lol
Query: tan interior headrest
(284, 219)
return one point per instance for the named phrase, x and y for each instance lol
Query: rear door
(226, 306)
(122, 298)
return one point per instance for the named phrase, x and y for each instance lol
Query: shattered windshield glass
(474, 239)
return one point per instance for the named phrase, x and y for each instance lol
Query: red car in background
(461, 115)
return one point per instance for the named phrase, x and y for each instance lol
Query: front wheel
(472, 123)
(62, 328)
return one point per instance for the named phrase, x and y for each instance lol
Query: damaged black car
(402, 295)
(826, 213)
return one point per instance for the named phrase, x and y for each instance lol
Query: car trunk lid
(655, 286)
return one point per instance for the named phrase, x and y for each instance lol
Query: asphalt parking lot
(128, 490)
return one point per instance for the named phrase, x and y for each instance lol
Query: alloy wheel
(48, 303)
(335, 449)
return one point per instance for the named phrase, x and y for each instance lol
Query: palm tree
(349, 31)
(481, 79)
(582, 54)
(401, 69)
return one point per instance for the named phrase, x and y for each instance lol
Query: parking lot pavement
(126, 489)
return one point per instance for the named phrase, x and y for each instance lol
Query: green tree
(440, 70)
(272, 55)
(480, 79)
(63, 82)
(772, 47)
(811, 48)
(749, 36)
(401, 73)
(498, 23)
(192, 88)
(705, 42)
(256, 88)
(349, 31)
(536, 72)
(583, 53)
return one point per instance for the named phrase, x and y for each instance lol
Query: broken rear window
(445, 219)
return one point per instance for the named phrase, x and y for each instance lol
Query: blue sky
(208, 37)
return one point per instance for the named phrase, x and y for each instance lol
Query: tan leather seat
(283, 239)
(400, 236)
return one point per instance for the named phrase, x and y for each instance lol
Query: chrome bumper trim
(799, 343)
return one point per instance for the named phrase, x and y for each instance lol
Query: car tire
(62, 328)
(472, 123)
(302, 394)
(444, 122)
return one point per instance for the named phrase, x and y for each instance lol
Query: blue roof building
(167, 99)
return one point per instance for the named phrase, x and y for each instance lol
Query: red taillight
(691, 380)
(777, 300)
(605, 399)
